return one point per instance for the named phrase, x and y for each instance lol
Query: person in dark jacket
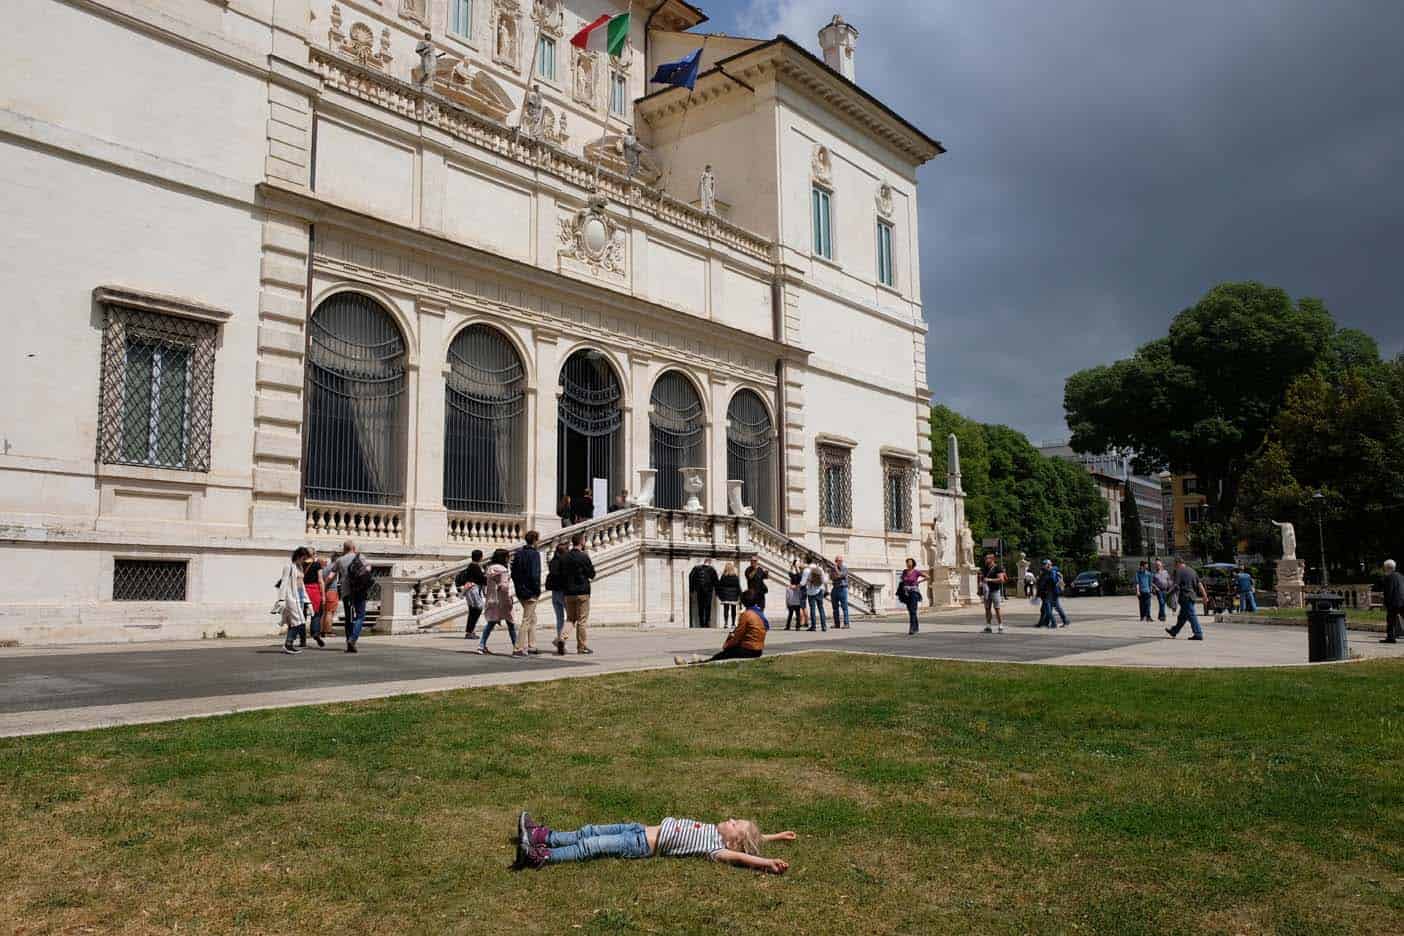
(475, 576)
(702, 582)
(584, 506)
(576, 573)
(728, 594)
(526, 581)
(755, 581)
(1393, 602)
(566, 511)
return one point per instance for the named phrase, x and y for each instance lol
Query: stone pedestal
(1291, 583)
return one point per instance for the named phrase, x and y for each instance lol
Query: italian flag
(606, 34)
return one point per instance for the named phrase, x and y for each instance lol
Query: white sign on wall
(599, 489)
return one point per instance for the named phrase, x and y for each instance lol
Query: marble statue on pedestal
(1289, 539)
(707, 190)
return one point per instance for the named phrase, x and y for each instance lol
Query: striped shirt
(678, 838)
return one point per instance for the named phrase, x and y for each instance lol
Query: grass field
(929, 798)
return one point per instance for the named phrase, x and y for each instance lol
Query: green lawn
(929, 797)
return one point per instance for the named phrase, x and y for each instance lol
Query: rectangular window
(148, 579)
(461, 18)
(823, 230)
(618, 95)
(1192, 515)
(1190, 485)
(835, 486)
(157, 390)
(887, 275)
(546, 57)
(897, 495)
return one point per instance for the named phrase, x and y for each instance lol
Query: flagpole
(682, 124)
(526, 88)
(604, 132)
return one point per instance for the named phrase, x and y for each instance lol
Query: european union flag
(682, 73)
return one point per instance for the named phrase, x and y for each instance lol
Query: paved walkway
(58, 689)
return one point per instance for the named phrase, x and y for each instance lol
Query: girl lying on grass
(735, 841)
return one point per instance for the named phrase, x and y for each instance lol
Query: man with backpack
(576, 572)
(352, 577)
(526, 580)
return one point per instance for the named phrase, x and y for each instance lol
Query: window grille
(157, 400)
(897, 475)
(676, 430)
(461, 17)
(546, 57)
(835, 486)
(887, 276)
(149, 579)
(823, 226)
(590, 416)
(750, 453)
(355, 404)
(484, 424)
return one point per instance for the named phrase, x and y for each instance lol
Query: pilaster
(719, 388)
(428, 518)
(642, 372)
(543, 419)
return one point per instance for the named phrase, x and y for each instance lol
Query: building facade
(1108, 467)
(409, 272)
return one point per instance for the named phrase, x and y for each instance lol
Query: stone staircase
(641, 555)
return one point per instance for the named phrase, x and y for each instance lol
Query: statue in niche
(633, 153)
(506, 44)
(584, 78)
(428, 59)
(707, 190)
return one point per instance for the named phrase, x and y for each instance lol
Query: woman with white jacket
(293, 594)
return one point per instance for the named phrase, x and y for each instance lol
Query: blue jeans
(558, 606)
(622, 840)
(912, 601)
(1247, 601)
(355, 616)
(1160, 597)
(839, 597)
(1144, 599)
(487, 632)
(816, 611)
(1187, 614)
(1057, 605)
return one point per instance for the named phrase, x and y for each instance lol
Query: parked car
(1087, 583)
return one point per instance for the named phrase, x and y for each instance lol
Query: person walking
(1030, 581)
(566, 511)
(312, 582)
(577, 573)
(293, 595)
(1144, 584)
(756, 577)
(816, 583)
(909, 593)
(354, 580)
(838, 593)
(1160, 587)
(1393, 602)
(794, 597)
(728, 594)
(526, 579)
(1247, 599)
(1189, 589)
(992, 581)
(555, 584)
(1056, 605)
(472, 582)
(497, 605)
(1047, 594)
(702, 583)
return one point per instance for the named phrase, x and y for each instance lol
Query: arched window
(676, 429)
(355, 404)
(590, 438)
(484, 424)
(750, 453)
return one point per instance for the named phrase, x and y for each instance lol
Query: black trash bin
(1326, 628)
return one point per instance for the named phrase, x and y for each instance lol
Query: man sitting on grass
(735, 841)
(744, 642)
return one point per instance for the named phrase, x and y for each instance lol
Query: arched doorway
(590, 436)
(484, 424)
(750, 452)
(355, 389)
(676, 435)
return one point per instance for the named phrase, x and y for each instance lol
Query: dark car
(1087, 583)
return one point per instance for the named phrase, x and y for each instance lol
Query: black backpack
(359, 577)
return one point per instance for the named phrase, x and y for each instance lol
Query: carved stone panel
(583, 78)
(506, 34)
(821, 165)
(592, 243)
(548, 17)
(472, 87)
(359, 42)
(884, 200)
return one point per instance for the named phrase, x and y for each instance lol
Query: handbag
(474, 596)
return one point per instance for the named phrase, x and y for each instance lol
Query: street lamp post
(1318, 501)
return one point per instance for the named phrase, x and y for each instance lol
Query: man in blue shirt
(1247, 601)
(1143, 590)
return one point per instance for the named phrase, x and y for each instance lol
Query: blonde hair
(729, 569)
(749, 840)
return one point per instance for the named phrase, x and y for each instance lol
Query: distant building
(1188, 506)
(1150, 501)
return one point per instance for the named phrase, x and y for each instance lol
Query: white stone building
(284, 271)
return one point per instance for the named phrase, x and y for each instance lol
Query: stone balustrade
(359, 522)
(484, 530)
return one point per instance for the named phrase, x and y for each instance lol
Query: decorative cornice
(157, 302)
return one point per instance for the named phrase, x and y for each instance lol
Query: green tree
(1205, 398)
(1132, 544)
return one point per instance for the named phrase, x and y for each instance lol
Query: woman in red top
(312, 582)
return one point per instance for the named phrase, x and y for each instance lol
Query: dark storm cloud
(1110, 161)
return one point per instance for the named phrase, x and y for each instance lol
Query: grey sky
(1110, 160)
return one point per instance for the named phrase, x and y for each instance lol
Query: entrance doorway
(590, 437)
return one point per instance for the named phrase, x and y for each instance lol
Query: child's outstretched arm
(754, 862)
(778, 836)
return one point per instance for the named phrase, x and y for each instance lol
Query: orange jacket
(749, 633)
